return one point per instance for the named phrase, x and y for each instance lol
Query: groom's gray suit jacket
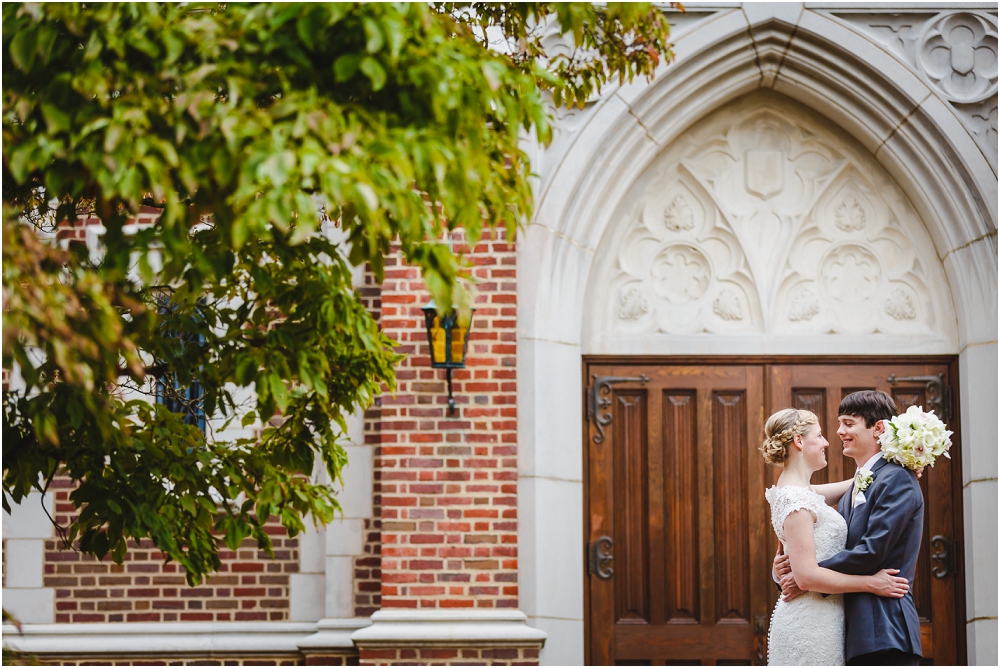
(882, 533)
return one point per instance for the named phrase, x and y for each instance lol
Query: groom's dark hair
(869, 405)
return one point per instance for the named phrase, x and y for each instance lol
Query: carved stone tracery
(764, 220)
(955, 52)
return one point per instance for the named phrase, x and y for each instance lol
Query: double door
(679, 543)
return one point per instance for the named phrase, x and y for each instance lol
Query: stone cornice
(448, 628)
(178, 638)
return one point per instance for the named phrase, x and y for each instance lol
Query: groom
(885, 516)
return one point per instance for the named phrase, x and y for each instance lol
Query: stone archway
(764, 229)
(885, 106)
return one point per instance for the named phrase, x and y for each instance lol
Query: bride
(809, 630)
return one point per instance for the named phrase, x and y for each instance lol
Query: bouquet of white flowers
(915, 439)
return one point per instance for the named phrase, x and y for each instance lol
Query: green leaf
(240, 233)
(345, 66)
(56, 119)
(373, 35)
(23, 48)
(373, 70)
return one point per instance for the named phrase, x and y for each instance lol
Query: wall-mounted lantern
(449, 339)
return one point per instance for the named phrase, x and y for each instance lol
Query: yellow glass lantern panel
(437, 341)
(457, 343)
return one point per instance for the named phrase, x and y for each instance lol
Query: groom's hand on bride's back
(782, 574)
(789, 588)
(782, 565)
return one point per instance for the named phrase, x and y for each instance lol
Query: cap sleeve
(786, 500)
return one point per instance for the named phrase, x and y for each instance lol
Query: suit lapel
(876, 467)
(845, 505)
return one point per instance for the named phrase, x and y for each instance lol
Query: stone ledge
(448, 628)
(138, 639)
(332, 634)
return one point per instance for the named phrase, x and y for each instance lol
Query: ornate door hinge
(599, 400)
(943, 556)
(600, 557)
(937, 392)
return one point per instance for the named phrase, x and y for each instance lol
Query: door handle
(943, 556)
(601, 557)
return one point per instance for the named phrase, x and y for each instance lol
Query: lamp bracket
(599, 400)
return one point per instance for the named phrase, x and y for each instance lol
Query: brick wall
(368, 565)
(463, 656)
(187, 661)
(447, 484)
(249, 585)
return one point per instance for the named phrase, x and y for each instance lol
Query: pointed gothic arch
(885, 106)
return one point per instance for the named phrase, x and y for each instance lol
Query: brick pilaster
(448, 484)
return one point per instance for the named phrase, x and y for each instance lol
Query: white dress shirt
(859, 498)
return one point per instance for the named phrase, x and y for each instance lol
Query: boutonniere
(863, 479)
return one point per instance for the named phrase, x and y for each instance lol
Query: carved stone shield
(765, 173)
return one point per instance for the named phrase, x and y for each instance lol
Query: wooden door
(677, 523)
(937, 585)
(679, 543)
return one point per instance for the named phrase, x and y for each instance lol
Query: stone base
(324, 643)
(449, 637)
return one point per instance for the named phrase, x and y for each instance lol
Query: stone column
(25, 532)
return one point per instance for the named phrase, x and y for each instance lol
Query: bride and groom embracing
(844, 573)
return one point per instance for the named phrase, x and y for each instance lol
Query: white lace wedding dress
(809, 629)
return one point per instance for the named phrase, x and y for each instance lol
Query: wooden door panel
(631, 533)
(683, 447)
(677, 484)
(813, 399)
(680, 508)
(732, 590)
(709, 645)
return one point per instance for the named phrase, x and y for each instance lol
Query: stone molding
(332, 634)
(395, 628)
(155, 639)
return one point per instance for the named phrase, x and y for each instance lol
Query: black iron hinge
(599, 400)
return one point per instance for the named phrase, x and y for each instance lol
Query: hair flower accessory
(915, 439)
(863, 479)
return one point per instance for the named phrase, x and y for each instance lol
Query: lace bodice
(808, 630)
(829, 529)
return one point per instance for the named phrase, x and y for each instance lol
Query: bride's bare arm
(801, 549)
(832, 491)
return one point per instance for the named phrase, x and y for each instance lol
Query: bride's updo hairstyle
(779, 431)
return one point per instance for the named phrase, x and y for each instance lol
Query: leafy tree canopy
(247, 126)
